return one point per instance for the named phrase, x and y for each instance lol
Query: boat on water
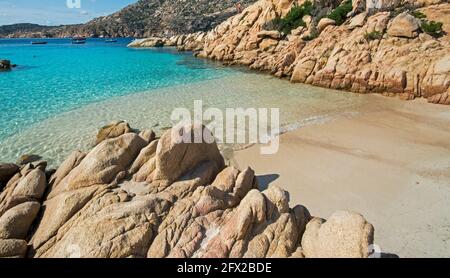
(38, 42)
(111, 41)
(78, 40)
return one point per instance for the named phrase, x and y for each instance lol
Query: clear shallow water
(59, 76)
(59, 96)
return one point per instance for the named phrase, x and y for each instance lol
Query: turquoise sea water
(59, 76)
(60, 94)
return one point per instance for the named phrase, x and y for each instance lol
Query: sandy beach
(391, 163)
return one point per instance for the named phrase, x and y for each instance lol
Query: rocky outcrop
(378, 49)
(20, 203)
(148, 42)
(134, 196)
(324, 23)
(325, 239)
(404, 25)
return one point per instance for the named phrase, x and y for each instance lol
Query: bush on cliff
(340, 13)
(294, 18)
(432, 28)
(375, 35)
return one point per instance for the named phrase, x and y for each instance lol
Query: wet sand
(392, 164)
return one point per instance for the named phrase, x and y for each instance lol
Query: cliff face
(137, 196)
(382, 47)
(146, 18)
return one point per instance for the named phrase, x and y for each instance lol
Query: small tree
(339, 15)
(294, 18)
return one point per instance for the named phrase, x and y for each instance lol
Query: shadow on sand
(265, 180)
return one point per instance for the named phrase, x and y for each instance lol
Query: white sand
(390, 164)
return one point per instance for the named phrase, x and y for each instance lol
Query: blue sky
(56, 12)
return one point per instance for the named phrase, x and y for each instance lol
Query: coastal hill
(142, 19)
(25, 28)
(394, 48)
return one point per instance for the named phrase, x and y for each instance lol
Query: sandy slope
(391, 164)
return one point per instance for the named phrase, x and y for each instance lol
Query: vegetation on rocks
(340, 13)
(374, 35)
(294, 18)
(339, 58)
(432, 28)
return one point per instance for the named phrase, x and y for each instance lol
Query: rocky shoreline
(136, 196)
(383, 49)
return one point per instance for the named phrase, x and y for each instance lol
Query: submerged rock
(5, 65)
(28, 158)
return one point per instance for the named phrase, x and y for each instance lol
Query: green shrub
(371, 36)
(340, 13)
(294, 18)
(432, 28)
(418, 14)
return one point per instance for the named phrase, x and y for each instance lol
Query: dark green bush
(432, 28)
(293, 19)
(340, 13)
(418, 14)
(371, 36)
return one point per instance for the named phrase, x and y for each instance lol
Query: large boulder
(358, 20)
(15, 223)
(324, 23)
(148, 42)
(112, 130)
(7, 171)
(404, 25)
(32, 185)
(72, 161)
(103, 163)
(13, 248)
(343, 235)
(175, 156)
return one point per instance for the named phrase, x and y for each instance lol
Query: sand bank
(391, 164)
